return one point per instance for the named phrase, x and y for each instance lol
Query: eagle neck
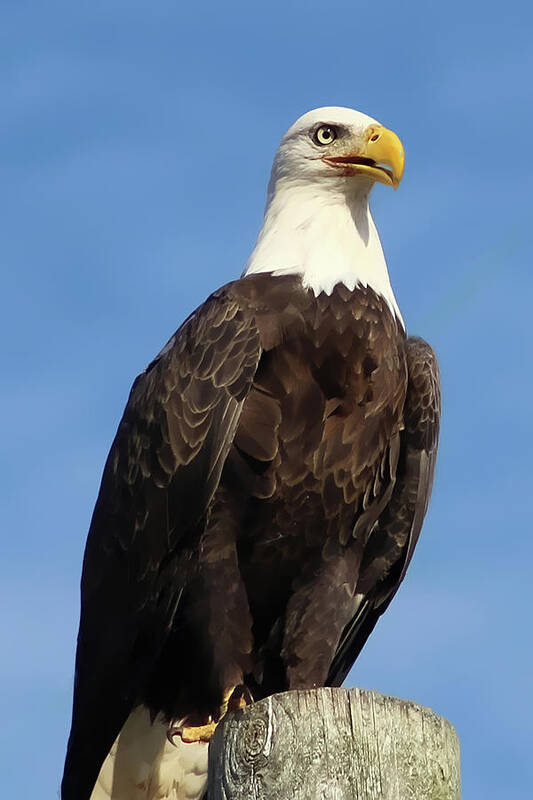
(327, 237)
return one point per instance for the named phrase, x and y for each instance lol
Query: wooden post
(334, 744)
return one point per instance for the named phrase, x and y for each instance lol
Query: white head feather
(317, 219)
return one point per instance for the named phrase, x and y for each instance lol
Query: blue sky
(135, 147)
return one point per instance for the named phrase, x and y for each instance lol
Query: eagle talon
(240, 697)
(171, 733)
(235, 698)
(192, 733)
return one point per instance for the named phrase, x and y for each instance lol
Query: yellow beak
(381, 157)
(386, 150)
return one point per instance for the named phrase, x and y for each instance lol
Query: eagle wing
(163, 468)
(391, 544)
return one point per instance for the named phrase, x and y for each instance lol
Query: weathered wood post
(334, 744)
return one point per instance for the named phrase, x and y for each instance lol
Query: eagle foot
(200, 729)
(235, 698)
(191, 733)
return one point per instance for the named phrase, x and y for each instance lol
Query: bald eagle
(266, 486)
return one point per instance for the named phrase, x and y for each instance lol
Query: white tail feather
(144, 765)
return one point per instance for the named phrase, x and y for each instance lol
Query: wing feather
(162, 471)
(392, 542)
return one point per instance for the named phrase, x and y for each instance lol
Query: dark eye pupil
(325, 135)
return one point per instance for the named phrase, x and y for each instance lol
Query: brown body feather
(258, 508)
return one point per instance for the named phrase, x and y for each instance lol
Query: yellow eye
(326, 134)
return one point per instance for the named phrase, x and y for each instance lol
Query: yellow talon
(198, 733)
(233, 699)
(236, 698)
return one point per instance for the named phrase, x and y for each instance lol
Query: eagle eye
(326, 134)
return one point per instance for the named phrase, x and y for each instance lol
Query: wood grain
(334, 744)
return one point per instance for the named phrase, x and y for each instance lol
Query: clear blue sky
(135, 146)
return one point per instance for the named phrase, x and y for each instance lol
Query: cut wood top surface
(334, 744)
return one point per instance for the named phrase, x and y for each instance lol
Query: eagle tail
(144, 765)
